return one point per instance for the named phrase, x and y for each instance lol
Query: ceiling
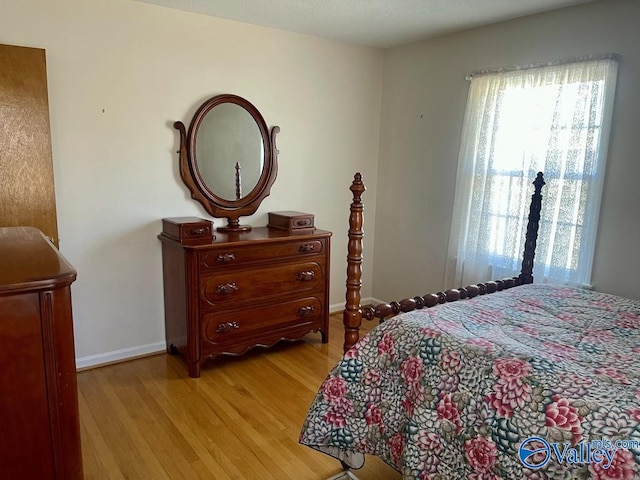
(375, 23)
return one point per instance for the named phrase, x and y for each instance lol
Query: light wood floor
(146, 419)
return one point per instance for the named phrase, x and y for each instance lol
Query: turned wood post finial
(526, 274)
(352, 315)
(238, 182)
(357, 188)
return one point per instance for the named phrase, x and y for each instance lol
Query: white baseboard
(372, 301)
(116, 356)
(338, 307)
(107, 358)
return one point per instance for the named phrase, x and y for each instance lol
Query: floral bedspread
(458, 390)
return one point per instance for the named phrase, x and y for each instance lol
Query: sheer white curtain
(554, 119)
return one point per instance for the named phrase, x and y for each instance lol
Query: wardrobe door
(27, 196)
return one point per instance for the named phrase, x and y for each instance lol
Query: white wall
(120, 73)
(423, 101)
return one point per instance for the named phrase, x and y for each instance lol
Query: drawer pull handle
(306, 248)
(227, 327)
(226, 258)
(198, 231)
(226, 288)
(306, 276)
(306, 311)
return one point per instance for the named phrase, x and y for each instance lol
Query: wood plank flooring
(146, 419)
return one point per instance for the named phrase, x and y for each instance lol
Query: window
(554, 119)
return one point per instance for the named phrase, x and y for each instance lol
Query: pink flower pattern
(613, 373)
(338, 411)
(482, 476)
(529, 330)
(396, 446)
(413, 397)
(598, 336)
(560, 352)
(447, 410)
(430, 332)
(412, 370)
(386, 346)
(481, 453)
(451, 391)
(450, 361)
(485, 345)
(561, 414)
(634, 413)
(334, 388)
(511, 368)
(430, 442)
(623, 467)
(509, 395)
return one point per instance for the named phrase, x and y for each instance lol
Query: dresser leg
(194, 370)
(325, 335)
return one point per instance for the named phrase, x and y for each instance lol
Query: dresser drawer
(255, 284)
(230, 326)
(252, 253)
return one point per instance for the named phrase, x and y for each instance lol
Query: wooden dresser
(243, 290)
(40, 429)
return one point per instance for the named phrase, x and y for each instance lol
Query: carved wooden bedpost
(526, 274)
(352, 315)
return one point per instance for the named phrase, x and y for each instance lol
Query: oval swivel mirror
(228, 159)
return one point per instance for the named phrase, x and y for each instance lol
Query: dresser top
(28, 261)
(255, 235)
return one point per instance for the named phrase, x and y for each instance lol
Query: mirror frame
(212, 203)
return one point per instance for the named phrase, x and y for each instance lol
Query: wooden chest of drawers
(40, 432)
(244, 290)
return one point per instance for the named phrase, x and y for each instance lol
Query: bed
(501, 380)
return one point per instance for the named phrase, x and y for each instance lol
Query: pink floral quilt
(523, 383)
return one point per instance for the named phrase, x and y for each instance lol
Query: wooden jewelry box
(293, 222)
(188, 230)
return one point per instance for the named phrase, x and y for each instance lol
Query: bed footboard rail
(354, 312)
(386, 310)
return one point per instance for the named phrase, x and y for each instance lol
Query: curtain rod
(606, 56)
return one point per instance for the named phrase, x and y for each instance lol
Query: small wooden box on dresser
(40, 427)
(227, 294)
